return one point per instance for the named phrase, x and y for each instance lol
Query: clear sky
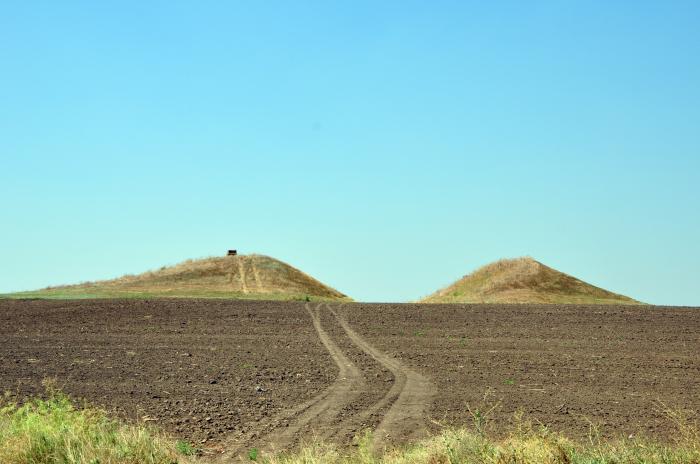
(386, 148)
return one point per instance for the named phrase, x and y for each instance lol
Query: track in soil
(410, 395)
(407, 400)
(239, 373)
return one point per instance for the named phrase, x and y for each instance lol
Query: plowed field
(228, 375)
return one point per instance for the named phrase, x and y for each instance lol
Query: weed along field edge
(226, 377)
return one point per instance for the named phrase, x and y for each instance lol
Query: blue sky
(387, 148)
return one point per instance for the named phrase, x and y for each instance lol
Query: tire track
(318, 413)
(241, 271)
(256, 275)
(346, 387)
(410, 396)
(406, 402)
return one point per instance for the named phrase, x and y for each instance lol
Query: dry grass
(246, 277)
(525, 445)
(53, 431)
(523, 280)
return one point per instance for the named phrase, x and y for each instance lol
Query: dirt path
(256, 276)
(315, 417)
(321, 416)
(411, 395)
(241, 271)
(405, 403)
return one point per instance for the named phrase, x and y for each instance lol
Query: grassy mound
(235, 277)
(523, 280)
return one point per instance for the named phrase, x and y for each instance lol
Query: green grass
(53, 431)
(186, 448)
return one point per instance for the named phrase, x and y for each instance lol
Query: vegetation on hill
(523, 280)
(237, 277)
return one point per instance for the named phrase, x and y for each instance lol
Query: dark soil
(201, 369)
(208, 369)
(615, 367)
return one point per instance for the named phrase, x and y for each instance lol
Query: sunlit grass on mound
(52, 430)
(249, 277)
(526, 445)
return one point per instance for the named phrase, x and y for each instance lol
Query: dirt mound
(242, 276)
(523, 280)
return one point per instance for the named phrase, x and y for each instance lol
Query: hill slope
(242, 276)
(523, 280)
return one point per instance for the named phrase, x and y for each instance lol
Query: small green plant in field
(509, 382)
(463, 341)
(479, 419)
(247, 366)
(253, 454)
(480, 415)
(419, 333)
(185, 448)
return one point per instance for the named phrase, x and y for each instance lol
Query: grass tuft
(52, 430)
(185, 448)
